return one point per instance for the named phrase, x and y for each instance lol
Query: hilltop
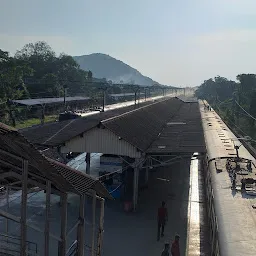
(105, 66)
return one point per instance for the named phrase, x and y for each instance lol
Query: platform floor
(129, 233)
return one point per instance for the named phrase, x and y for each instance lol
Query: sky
(174, 42)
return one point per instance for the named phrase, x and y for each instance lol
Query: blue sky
(175, 42)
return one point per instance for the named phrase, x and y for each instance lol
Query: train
(230, 181)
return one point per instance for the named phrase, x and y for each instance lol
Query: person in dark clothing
(165, 252)
(175, 250)
(162, 217)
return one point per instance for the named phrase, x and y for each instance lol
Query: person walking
(175, 250)
(165, 252)
(162, 217)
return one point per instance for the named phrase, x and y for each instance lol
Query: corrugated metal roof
(62, 177)
(54, 134)
(185, 136)
(187, 99)
(147, 128)
(142, 126)
(43, 101)
(121, 94)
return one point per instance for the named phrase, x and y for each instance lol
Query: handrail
(73, 247)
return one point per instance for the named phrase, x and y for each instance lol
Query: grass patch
(34, 121)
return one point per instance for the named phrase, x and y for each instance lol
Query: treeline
(36, 71)
(234, 100)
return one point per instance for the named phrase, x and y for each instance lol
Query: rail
(72, 250)
(212, 217)
(12, 244)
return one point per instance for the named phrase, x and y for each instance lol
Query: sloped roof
(183, 133)
(63, 178)
(142, 126)
(57, 133)
(44, 101)
(154, 129)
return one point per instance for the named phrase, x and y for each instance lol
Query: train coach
(230, 178)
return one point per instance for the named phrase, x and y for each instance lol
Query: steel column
(88, 163)
(47, 218)
(135, 183)
(7, 210)
(100, 238)
(63, 235)
(80, 229)
(147, 172)
(23, 220)
(93, 222)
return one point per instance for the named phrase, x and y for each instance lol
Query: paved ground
(125, 233)
(136, 233)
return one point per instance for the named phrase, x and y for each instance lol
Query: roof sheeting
(63, 178)
(187, 99)
(57, 133)
(44, 101)
(142, 126)
(121, 94)
(151, 129)
(183, 133)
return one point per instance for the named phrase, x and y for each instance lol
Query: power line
(248, 114)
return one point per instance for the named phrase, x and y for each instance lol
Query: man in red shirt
(162, 217)
(175, 250)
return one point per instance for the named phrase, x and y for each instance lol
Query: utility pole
(136, 89)
(104, 89)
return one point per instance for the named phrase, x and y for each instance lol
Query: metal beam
(30, 181)
(11, 155)
(23, 219)
(73, 228)
(9, 216)
(10, 165)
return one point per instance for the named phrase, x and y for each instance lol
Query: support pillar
(80, 231)
(88, 163)
(63, 232)
(7, 210)
(100, 239)
(135, 184)
(23, 219)
(93, 222)
(47, 219)
(147, 172)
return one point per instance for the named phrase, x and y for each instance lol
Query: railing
(211, 211)
(11, 244)
(72, 250)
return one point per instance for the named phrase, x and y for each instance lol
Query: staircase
(11, 245)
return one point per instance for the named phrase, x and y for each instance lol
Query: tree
(89, 75)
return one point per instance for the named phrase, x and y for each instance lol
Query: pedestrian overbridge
(150, 136)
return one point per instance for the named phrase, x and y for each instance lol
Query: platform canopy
(48, 101)
(121, 94)
(169, 126)
(14, 149)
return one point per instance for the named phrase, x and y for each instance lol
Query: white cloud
(12, 43)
